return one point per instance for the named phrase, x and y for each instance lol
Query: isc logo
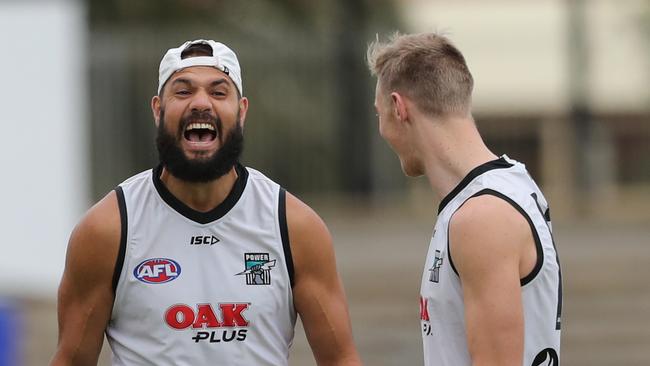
(207, 240)
(157, 270)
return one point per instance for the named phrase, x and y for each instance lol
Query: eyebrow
(181, 81)
(219, 82)
(189, 82)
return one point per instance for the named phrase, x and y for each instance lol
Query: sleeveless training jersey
(198, 288)
(441, 297)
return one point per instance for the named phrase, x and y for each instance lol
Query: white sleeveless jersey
(196, 288)
(441, 296)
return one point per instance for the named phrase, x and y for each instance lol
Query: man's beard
(199, 170)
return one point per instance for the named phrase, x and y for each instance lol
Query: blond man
(491, 289)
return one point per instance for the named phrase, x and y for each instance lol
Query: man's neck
(457, 149)
(202, 197)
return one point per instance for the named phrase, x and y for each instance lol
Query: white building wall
(518, 51)
(43, 154)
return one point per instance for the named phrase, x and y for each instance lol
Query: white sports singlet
(441, 296)
(196, 288)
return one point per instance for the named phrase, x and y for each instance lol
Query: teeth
(199, 126)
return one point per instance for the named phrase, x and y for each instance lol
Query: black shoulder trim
(451, 261)
(202, 217)
(538, 242)
(500, 163)
(284, 233)
(119, 262)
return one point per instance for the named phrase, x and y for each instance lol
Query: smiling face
(200, 117)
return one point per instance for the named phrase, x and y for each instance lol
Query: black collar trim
(202, 217)
(500, 163)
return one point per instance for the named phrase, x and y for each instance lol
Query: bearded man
(201, 261)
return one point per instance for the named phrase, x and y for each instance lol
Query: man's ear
(243, 109)
(155, 109)
(399, 106)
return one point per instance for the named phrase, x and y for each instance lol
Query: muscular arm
(85, 296)
(318, 293)
(492, 248)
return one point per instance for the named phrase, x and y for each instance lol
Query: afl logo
(157, 270)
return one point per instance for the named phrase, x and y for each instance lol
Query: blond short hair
(425, 67)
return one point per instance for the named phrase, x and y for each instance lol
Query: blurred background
(561, 85)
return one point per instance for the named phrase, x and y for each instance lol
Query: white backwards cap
(223, 58)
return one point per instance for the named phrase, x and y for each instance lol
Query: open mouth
(200, 132)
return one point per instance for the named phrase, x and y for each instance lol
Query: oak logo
(204, 240)
(427, 329)
(226, 324)
(181, 316)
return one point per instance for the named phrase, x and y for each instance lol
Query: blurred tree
(580, 113)
(645, 26)
(353, 99)
(180, 12)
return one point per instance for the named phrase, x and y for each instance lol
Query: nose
(201, 101)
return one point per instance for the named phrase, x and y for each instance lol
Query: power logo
(181, 316)
(434, 276)
(258, 268)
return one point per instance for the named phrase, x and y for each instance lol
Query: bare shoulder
(310, 242)
(487, 230)
(94, 242)
(302, 220)
(101, 225)
(488, 213)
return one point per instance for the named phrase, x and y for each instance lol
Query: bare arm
(492, 248)
(318, 292)
(85, 296)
